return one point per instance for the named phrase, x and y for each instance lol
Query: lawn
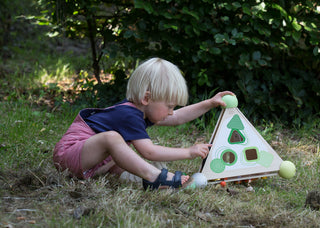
(35, 114)
(34, 193)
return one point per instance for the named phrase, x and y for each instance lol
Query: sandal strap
(156, 184)
(163, 176)
(162, 180)
(177, 179)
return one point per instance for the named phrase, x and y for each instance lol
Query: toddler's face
(158, 110)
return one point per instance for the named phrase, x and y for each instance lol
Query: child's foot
(166, 180)
(184, 178)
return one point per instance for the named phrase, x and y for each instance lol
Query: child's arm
(153, 152)
(191, 112)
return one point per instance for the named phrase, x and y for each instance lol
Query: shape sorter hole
(251, 154)
(229, 157)
(236, 137)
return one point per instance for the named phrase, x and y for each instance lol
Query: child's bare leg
(110, 167)
(99, 146)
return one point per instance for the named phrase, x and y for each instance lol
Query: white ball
(200, 180)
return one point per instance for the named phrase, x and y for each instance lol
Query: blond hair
(162, 79)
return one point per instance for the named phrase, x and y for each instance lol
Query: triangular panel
(238, 151)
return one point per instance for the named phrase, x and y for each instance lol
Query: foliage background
(266, 52)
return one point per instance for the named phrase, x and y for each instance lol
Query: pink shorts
(67, 152)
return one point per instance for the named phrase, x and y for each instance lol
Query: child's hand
(199, 150)
(217, 99)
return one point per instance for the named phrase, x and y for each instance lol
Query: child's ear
(146, 98)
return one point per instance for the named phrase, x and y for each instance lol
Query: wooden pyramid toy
(238, 151)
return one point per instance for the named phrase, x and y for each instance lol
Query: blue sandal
(162, 181)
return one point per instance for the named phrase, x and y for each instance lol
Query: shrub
(266, 52)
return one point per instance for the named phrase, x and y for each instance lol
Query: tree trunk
(95, 60)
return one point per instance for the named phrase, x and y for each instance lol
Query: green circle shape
(231, 101)
(217, 165)
(225, 153)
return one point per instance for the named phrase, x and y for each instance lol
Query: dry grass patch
(34, 193)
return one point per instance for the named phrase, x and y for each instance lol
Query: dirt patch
(27, 181)
(313, 200)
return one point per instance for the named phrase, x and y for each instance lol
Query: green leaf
(189, 30)
(313, 25)
(255, 40)
(260, 7)
(142, 25)
(256, 55)
(234, 32)
(215, 51)
(196, 31)
(174, 27)
(262, 62)
(43, 23)
(138, 4)
(296, 35)
(282, 11)
(296, 26)
(236, 5)
(246, 9)
(128, 34)
(232, 41)
(219, 38)
(144, 5)
(264, 31)
(225, 18)
(306, 27)
(168, 15)
(185, 10)
(244, 58)
(203, 78)
(316, 51)
(163, 25)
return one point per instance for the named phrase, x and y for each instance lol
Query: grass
(33, 193)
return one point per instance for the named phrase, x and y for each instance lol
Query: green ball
(287, 169)
(231, 101)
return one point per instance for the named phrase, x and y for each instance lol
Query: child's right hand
(217, 99)
(199, 150)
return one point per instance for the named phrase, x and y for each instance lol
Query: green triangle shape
(235, 123)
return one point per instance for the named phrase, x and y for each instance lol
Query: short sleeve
(128, 121)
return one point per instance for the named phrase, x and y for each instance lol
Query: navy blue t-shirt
(125, 119)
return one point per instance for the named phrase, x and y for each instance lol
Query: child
(98, 139)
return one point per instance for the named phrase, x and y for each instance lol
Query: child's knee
(113, 137)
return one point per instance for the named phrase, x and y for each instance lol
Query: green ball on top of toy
(230, 100)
